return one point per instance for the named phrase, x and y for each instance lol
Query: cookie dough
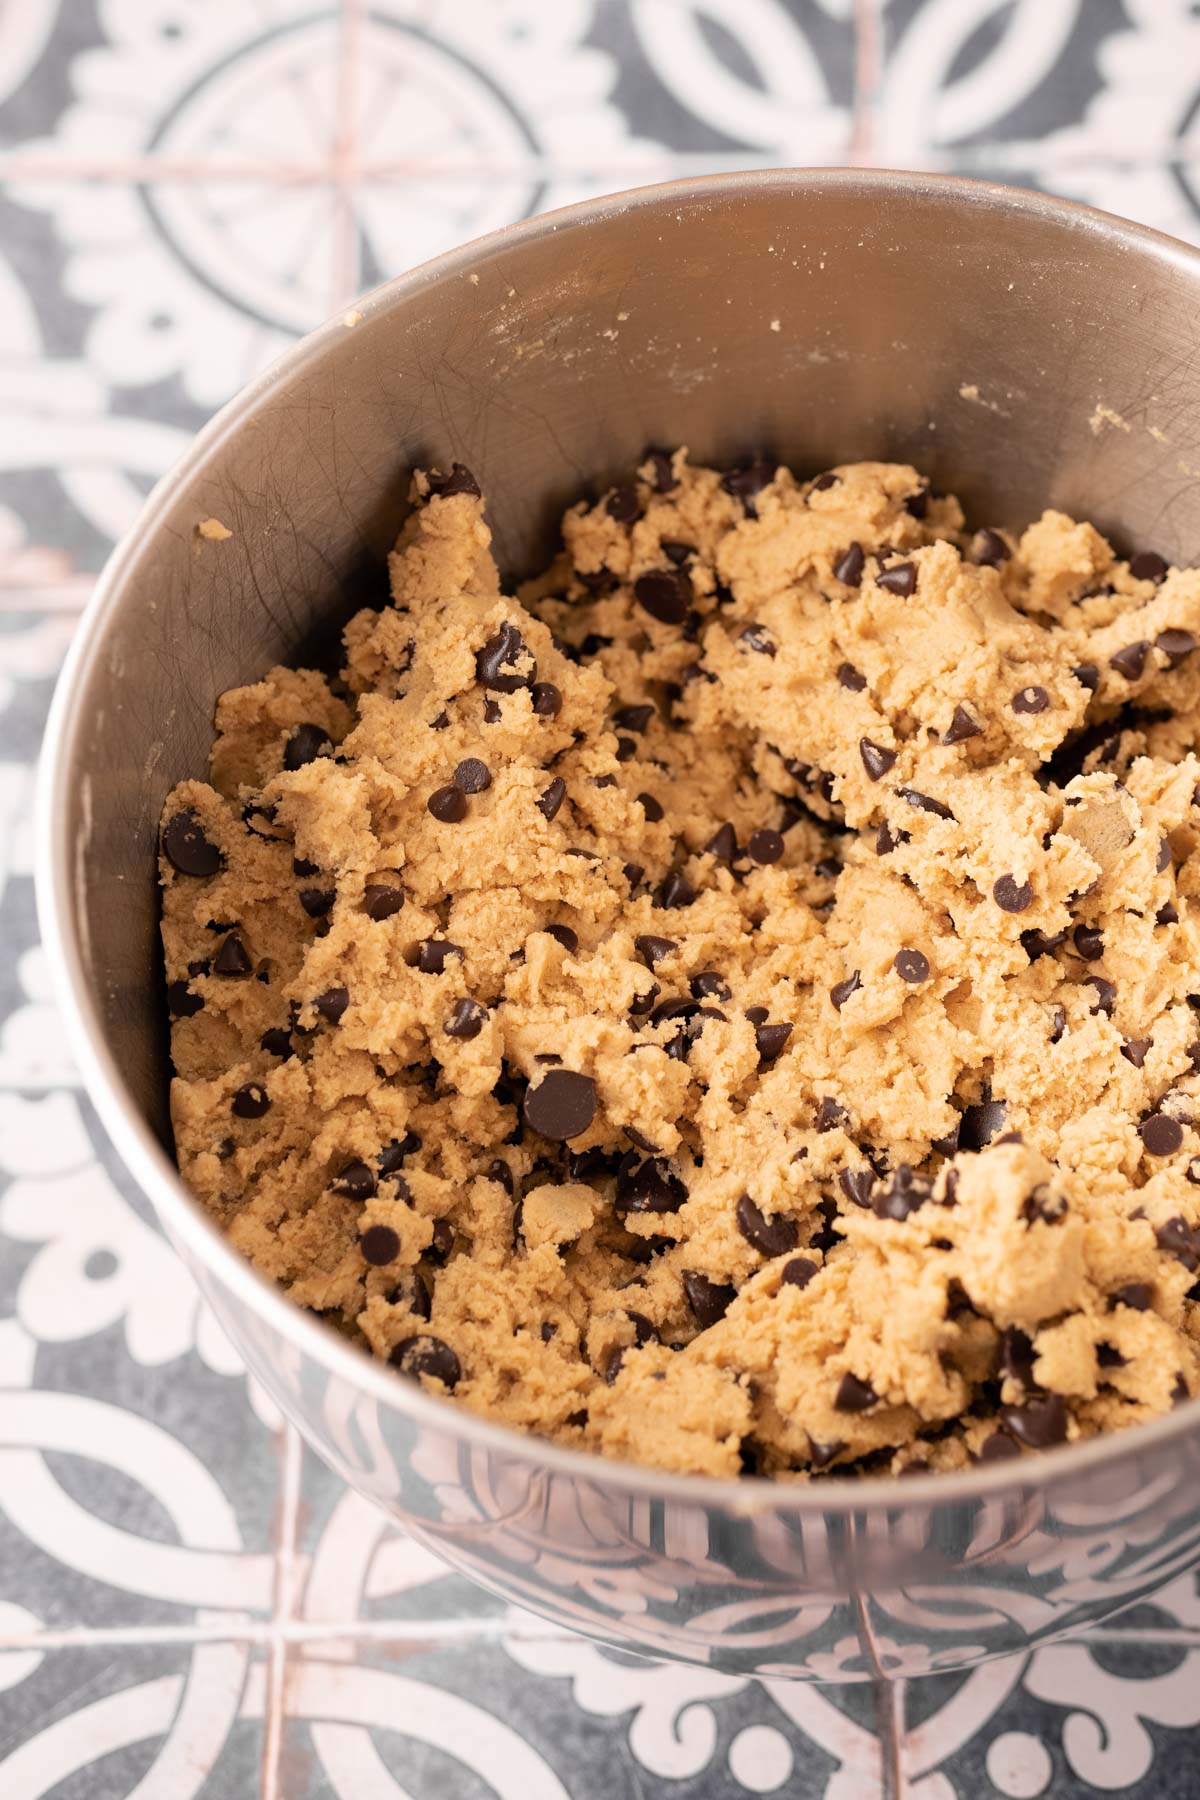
(731, 1005)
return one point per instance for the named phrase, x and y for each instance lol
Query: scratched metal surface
(189, 1603)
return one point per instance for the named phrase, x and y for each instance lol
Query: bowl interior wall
(1019, 357)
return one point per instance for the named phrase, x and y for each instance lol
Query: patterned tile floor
(189, 1604)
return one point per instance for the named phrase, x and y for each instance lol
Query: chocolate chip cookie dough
(734, 1005)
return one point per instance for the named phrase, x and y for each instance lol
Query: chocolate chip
(306, 743)
(757, 1015)
(1109, 1357)
(447, 804)
(633, 718)
(633, 873)
(186, 847)
(876, 759)
(676, 890)
(961, 727)
(848, 569)
(980, 1123)
(1011, 895)
(467, 1020)
(1089, 942)
(666, 594)
(442, 1241)
(434, 954)
(900, 579)
(821, 1455)
(858, 1185)
(707, 984)
(648, 1186)
(854, 1395)
(495, 662)
(1131, 660)
(492, 712)
(644, 1332)
(1147, 565)
(1039, 1422)
(747, 483)
(770, 1236)
(723, 843)
(765, 846)
(989, 549)
(999, 1447)
(549, 802)
(799, 1272)
(379, 1245)
(830, 1114)
(563, 935)
(472, 776)
(820, 482)
(181, 1002)
(653, 949)
(276, 1042)
(427, 1356)
(769, 1041)
(675, 551)
(911, 965)
(756, 637)
(1134, 1050)
(1087, 675)
(441, 723)
(381, 900)
(332, 1003)
(1161, 1134)
(1135, 1294)
(843, 990)
(1180, 1390)
(459, 481)
(662, 474)
(849, 678)
(232, 959)
(250, 1101)
(1176, 645)
(392, 1155)
(904, 1193)
(925, 803)
(317, 901)
(1017, 1355)
(916, 505)
(623, 505)
(709, 1300)
(1036, 943)
(1106, 994)
(355, 1179)
(651, 807)
(562, 1105)
(547, 700)
(1031, 700)
(1180, 1240)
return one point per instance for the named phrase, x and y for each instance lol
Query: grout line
(344, 170)
(300, 1633)
(890, 1717)
(274, 1702)
(868, 69)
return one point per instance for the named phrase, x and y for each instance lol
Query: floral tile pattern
(189, 1603)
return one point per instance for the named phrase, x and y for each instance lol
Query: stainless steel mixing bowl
(1025, 352)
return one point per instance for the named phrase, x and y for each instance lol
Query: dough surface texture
(732, 1004)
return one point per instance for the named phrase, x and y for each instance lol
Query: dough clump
(731, 1004)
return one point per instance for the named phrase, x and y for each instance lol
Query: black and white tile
(189, 1603)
